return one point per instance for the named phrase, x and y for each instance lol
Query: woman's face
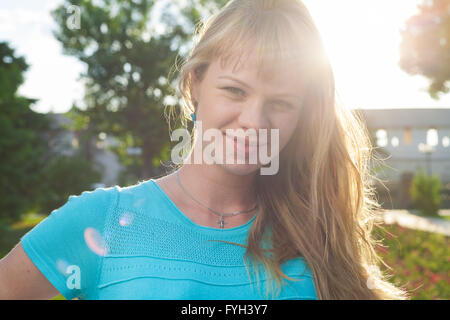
(242, 100)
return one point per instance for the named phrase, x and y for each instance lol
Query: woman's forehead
(277, 72)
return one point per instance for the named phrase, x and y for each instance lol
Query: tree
(33, 175)
(22, 140)
(65, 176)
(425, 47)
(128, 62)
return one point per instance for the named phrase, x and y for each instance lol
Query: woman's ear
(197, 76)
(195, 83)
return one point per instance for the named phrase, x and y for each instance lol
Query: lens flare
(62, 265)
(95, 241)
(126, 219)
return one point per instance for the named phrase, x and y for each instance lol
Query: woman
(205, 230)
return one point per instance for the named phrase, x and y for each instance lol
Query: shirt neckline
(239, 229)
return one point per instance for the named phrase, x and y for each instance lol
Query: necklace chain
(221, 222)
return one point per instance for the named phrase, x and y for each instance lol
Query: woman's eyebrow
(281, 95)
(234, 79)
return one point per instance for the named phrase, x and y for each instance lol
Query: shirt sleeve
(68, 245)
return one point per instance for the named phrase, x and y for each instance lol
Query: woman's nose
(253, 115)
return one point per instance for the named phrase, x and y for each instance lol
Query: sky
(361, 37)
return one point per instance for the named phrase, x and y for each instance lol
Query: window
(432, 137)
(445, 141)
(407, 139)
(382, 139)
(394, 142)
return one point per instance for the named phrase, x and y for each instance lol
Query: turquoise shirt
(134, 243)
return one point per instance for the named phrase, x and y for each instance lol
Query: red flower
(434, 278)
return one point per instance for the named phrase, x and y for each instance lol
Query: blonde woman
(223, 230)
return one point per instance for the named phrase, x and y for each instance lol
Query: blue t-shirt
(135, 243)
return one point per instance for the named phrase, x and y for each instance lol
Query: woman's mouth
(245, 144)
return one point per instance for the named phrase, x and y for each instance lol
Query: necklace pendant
(221, 222)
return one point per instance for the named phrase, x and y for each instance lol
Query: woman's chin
(241, 169)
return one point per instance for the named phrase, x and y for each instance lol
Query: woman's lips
(247, 145)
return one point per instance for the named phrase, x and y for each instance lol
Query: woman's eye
(283, 105)
(235, 90)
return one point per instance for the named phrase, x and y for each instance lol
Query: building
(413, 139)
(66, 142)
(409, 139)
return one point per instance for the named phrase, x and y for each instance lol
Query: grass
(419, 260)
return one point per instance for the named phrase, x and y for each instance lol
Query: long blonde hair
(320, 205)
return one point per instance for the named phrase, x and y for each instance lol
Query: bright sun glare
(362, 40)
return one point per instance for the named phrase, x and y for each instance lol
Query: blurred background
(84, 85)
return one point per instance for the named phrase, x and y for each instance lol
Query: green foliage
(418, 260)
(32, 175)
(425, 193)
(66, 176)
(127, 178)
(11, 75)
(22, 139)
(126, 65)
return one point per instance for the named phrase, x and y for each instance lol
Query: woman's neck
(218, 189)
(213, 187)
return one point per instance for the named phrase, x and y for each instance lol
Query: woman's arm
(20, 279)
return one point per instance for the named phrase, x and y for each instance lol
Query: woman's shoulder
(140, 196)
(100, 196)
(111, 197)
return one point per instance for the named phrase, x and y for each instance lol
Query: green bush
(425, 193)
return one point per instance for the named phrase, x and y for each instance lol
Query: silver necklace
(221, 222)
